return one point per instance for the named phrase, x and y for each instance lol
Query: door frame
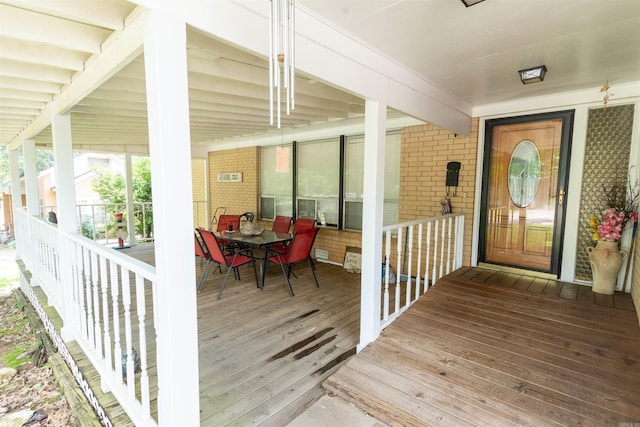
(567, 117)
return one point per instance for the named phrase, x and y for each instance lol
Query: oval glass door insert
(524, 173)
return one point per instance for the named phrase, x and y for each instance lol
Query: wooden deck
(484, 348)
(263, 354)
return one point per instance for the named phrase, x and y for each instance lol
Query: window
(276, 181)
(97, 161)
(354, 180)
(306, 208)
(329, 181)
(267, 207)
(318, 178)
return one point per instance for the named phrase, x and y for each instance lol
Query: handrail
(114, 299)
(108, 305)
(425, 250)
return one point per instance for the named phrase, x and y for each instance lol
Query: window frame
(342, 201)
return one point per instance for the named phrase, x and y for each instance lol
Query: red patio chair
(205, 258)
(225, 220)
(223, 226)
(232, 261)
(298, 251)
(303, 224)
(281, 224)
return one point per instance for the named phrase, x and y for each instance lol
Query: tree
(109, 185)
(44, 160)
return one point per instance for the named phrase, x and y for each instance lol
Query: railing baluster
(408, 276)
(442, 250)
(81, 293)
(398, 272)
(97, 328)
(419, 257)
(459, 242)
(449, 246)
(428, 255)
(104, 281)
(144, 376)
(128, 349)
(435, 253)
(115, 298)
(387, 249)
(87, 296)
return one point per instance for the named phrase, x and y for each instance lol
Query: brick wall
(336, 242)
(425, 152)
(237, 197)
(198, 178)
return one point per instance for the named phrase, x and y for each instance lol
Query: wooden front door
(526, 169)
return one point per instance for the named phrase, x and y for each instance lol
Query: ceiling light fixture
(533, 75)
(281, 56)
(471, 2)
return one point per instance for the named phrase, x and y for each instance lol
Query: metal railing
(96, 221)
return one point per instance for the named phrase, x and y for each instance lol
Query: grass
(11, 359)
(18, 323)
(9, 272)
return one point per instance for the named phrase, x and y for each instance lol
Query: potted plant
(606, 258)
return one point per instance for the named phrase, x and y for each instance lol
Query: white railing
(424, 251)
(45, 253)
(113, 315)
(21, 231)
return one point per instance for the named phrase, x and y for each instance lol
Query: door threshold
(520, 271)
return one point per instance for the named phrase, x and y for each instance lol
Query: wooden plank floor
(263, 354)
(484, 348)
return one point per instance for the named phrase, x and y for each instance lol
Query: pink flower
(612, 224)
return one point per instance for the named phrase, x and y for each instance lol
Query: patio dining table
(262, 243)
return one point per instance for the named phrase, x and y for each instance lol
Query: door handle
(561, 197)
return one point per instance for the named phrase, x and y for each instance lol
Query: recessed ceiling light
(471, 2)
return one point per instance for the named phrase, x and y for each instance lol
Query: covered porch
(263, 355)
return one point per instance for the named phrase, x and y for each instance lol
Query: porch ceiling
(470, 53)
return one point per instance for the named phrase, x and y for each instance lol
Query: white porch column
(16, 196)
(66, 213)
(131, 221)
(170, 150)
(372, 208)
(31, 195)
(31, 177)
